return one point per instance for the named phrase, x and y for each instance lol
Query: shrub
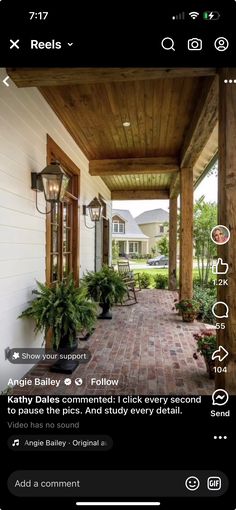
(206, 298)
(198, 283)
(145, 280)
(161, 281)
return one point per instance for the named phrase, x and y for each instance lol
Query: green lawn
(138, 261)
(156, 270)
(152, 272)
(163, 271)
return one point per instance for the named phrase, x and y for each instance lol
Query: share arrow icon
(221, 354)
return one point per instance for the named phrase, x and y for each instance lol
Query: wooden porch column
(227, 217)
(172, 243)
(186, 233)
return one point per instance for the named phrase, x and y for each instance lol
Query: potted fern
(106, 287)
(61, 310)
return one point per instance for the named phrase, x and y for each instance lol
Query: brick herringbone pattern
(146, 346)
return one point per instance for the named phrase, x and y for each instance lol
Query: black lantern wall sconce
(95, 208)
(53, 181)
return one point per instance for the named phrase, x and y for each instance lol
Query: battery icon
(211, 15)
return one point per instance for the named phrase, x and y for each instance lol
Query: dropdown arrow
(70, 43)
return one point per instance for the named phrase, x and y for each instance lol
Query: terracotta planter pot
(188, 317)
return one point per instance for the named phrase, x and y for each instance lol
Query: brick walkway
(146, 347)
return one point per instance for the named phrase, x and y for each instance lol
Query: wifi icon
(193, 14)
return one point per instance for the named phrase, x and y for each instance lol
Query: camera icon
(194, 44)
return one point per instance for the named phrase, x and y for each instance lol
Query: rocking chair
(124, 269)
(131, 280)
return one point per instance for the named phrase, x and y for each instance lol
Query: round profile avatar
(220, 234)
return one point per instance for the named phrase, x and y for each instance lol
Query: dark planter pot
(86, 336)
(210, 364)
(65, 365)
(106, 313)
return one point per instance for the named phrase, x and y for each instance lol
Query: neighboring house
(153, 224)
(127, 234)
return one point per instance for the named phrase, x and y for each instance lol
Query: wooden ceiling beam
(46, 76)
(140, 194)
(203, 122)
(175, 185)
(130, 166)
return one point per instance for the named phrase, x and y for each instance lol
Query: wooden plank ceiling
(172, 114)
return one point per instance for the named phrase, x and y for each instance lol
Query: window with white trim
(133, 247)
(118, 228)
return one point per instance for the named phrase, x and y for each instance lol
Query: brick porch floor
(146, 346)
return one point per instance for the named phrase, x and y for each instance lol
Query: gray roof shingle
(153, 216)
(132, 230)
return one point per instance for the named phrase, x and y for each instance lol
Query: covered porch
(146, 348)
(151, 133)
(132, 247)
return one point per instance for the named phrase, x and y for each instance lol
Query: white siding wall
(25, 119)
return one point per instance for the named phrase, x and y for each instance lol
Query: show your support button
(112, 484)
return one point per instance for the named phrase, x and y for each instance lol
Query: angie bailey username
(48, 381)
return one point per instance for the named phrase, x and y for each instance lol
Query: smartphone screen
(117, 259)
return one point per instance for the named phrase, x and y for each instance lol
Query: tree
(205, 218)
(115, 250)
(163, 246)
(213, 170)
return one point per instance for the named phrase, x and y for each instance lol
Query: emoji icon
(192, 483)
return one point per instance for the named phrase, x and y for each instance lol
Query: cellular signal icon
(180, 16)
(194, 14)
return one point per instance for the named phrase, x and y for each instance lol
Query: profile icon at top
(220, 234)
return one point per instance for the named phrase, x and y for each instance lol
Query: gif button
(214, 483)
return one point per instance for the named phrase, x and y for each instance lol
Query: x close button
(14, 44)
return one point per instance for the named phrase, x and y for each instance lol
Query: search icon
(168, 43)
